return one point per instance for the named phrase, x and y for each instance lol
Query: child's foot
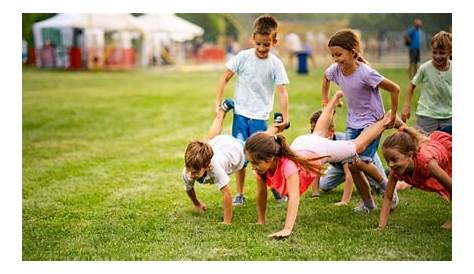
(239, 199)
(282, 200)
(315, 195)
(362, 208)
(448, 224)
(227, 105)
(395, 200)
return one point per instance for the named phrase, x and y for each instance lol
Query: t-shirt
(285, 168)
(364, 102)
(337, 151)
(227, 159)
(435, 98)
(439, 147)
(414, 35)
(255, 85)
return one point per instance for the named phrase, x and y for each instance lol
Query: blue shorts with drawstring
(368, 154)
(243, 128)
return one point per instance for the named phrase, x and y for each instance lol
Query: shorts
(368, 154)
(427, 125)
(243, 128)
(414, 56)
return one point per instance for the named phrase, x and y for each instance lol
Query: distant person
(421, 161)
(413, 41)
(259, 73)
(434, 108)
(294, 46)
(360, 84)
(48, 56)
(24, 51)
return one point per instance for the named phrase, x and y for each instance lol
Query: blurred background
(187, 40)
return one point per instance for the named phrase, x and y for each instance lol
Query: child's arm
(220, 88)
(406, 107)
(387, 200)
(283, 99)
(216, 126)
(348, 186)
(227, 204)
(394, 90)
(261, 201)
(325, 91)
(198, 206)
(322, 125)
(439, 174)
(293, 184)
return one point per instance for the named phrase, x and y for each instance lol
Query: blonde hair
(442, 40)
(348, 40)
(266, 25)
(198, 155)
(263, 147)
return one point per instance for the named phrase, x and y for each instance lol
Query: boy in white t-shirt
(259, 73)
(212, 162)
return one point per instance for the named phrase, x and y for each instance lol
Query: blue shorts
(243, 128)
(368, 154)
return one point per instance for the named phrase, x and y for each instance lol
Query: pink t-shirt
(285, 168)
(439, 147)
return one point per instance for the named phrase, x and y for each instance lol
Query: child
(259, 72)
(292, 170)
(338, 172)
(360, 84)
(423, 162)
(434, 105)
(212, 162)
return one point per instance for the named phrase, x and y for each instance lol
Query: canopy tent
(93, 26)
(178, 29)
(165, 33)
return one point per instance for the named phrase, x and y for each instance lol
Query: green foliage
(28, 19)
(102, 156)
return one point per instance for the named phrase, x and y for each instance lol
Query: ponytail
(405, 139)
(263, 147)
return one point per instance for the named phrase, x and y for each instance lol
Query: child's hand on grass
(280, 234)
(200, 208)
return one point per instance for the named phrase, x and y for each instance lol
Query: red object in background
(31, 56)
(128, 58)
(211, 54)
(75, 58)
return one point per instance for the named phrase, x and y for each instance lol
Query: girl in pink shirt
(422, 161)
(291, 170)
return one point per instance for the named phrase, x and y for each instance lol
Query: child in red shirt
(421, 161)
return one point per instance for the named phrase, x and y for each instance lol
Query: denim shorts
(368, 154)
(427, 124)
(243, 127)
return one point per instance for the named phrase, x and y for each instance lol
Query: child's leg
(362, 186)
(240, 179)
(371, 170)
(216, 126)
(368, 135)
(325, 119)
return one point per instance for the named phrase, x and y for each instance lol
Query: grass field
(102, 156)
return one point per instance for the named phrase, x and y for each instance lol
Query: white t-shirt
(255, 86)
(337, 151)
(227, 159)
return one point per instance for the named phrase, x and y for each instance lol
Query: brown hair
(406, 140)
(198, 155)
(442, 40)
(348, 40)
(314, 118)
(266, 25)
(263, 147)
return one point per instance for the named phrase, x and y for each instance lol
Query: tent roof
(178, 28)
(103, 21)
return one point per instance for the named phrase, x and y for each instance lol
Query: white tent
(178, 29)
(164, 30)
(94, 26)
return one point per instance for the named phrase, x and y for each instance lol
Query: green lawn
(102, 157)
